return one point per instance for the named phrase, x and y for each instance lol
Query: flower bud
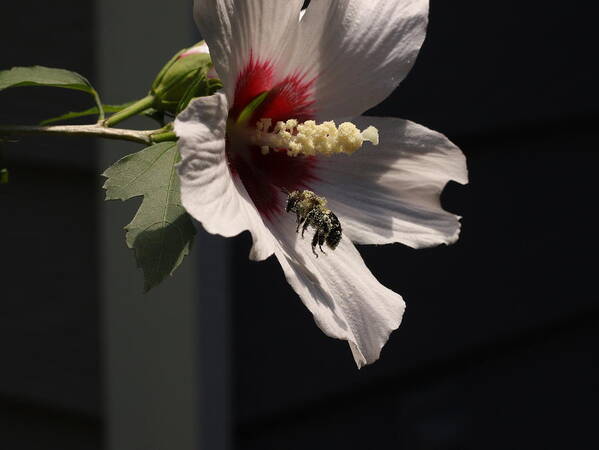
(201, 48)
(178, 75)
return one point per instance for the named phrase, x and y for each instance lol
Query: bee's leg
(307, 221)
(305, 227)
(315, 241)
(299, 222)
(321, 239)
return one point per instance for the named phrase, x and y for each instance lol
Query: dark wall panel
(49, 334)
(494, 65)
(53, 34)
(520, 264)
(48, 314)
(525, 394)
(498, 337)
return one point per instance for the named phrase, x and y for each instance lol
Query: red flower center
(264, 176)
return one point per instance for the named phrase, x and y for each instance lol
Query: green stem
(131, 110)
(163, 137)
(100, 106)
(143, 137)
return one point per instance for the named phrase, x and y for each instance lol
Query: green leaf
(161, 232)
(43, 76)
(47, 76)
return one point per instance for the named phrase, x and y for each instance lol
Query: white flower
(340, 59)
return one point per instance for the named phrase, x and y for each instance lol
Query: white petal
(345, 298)
(359, 50)
(200, 49)
(208, 191)
(237, 29)
(391, 193)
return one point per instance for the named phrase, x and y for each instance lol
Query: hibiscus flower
(336, 61)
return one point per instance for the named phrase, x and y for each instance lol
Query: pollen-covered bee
(311, 210)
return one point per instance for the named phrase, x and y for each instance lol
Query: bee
(311, 210)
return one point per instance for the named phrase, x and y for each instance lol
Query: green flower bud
(180, 74)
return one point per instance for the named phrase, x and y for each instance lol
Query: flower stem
(163, 137)
(129, 111)
(100, 106)
(143, 137)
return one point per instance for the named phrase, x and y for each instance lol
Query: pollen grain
(309, 138)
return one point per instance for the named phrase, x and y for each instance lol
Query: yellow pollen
(310, 138)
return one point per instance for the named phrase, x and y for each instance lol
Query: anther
(310, 138)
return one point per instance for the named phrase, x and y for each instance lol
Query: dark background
(498, 345)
